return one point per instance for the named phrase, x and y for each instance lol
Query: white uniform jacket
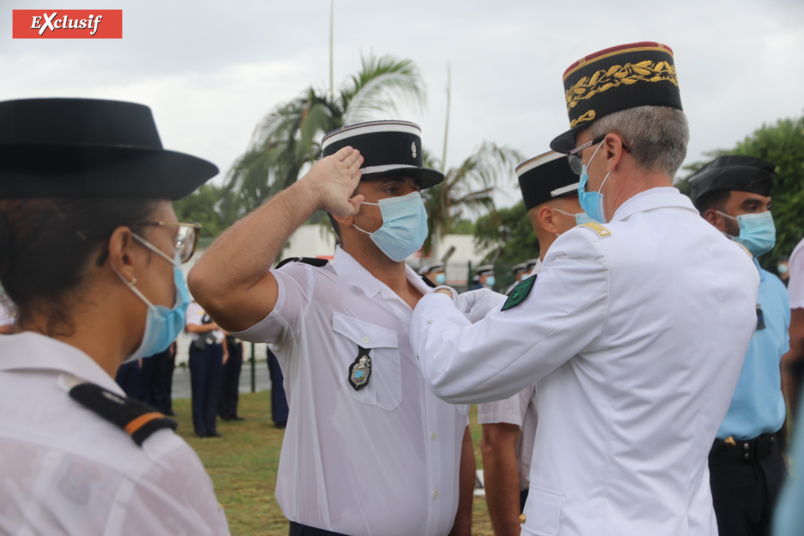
(65, 470)
(636, 332)
(382, 460)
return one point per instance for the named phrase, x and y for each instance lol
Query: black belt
(297, 529)
(744, 450)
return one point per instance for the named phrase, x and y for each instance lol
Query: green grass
(243, 465)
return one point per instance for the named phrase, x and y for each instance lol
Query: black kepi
(388, 148)
(59, 147)
(546, 177)
(615, 79)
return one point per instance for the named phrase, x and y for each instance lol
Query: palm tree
(288, 138)
(466, 188)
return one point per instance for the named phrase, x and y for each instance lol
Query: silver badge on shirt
(360, 370)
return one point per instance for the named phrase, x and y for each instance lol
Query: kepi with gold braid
(615, 79)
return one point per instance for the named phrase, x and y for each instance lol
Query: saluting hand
(334, 178)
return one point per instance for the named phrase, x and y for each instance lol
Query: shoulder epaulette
(747, 251)
(318, 263)
(137, 419)
(596, 227)
(428, 282)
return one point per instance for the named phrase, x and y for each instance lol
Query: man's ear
(614, 147)
(345, 221)
(715, 219)
(547, 219)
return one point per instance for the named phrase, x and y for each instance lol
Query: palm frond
(379, 86)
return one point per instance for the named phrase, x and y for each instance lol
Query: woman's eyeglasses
(186, 239)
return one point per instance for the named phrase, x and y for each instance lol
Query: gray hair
(656, 136)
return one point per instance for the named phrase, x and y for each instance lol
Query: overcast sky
(210, 70)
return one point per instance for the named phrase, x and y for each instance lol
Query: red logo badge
(68, 24)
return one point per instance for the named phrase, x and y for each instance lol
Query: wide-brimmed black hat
(733, 172)
(615, 79)
(546, 177)
(387, 147)
(90, 148)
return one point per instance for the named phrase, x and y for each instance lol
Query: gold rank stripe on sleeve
(599, 229)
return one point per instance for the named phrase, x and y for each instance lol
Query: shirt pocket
(384, 388)
(543, 511)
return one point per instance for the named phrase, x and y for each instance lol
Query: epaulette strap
(137, 419)
(428, 282)
(318, 263)
(596, 227)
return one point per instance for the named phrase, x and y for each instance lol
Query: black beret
(733, 172)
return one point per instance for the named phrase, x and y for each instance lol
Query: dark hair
(45, 248)
(715, 199)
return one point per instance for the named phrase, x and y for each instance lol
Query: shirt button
(433, 436)
(435, 494)
(366, 340)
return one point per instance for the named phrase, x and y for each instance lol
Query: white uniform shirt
(379, 461)
(195, 315)
(519, 410)
(795, 287)
(66, 470)
(636, 335)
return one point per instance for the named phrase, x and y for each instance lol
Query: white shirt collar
(352, 273)
(32, 351)
(651, 199)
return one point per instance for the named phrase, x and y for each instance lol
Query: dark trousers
(162, 381)
(134, 378)
(297, 529)
(230, 382)
(279, 402)
(205, 386)
(128, 378)
(744, 493)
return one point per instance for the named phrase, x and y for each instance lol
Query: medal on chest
(360, 370)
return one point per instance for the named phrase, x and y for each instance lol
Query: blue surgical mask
(162, 325)
(490, 280)
(757, 232)
(441, 279)
(592, 202)
(404, 226)
(580, 217)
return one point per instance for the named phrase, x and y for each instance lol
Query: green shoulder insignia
(596, 227)
(519, 293)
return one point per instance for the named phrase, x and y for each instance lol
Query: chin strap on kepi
(137, 419)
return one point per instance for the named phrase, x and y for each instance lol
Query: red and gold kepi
(615, 79)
